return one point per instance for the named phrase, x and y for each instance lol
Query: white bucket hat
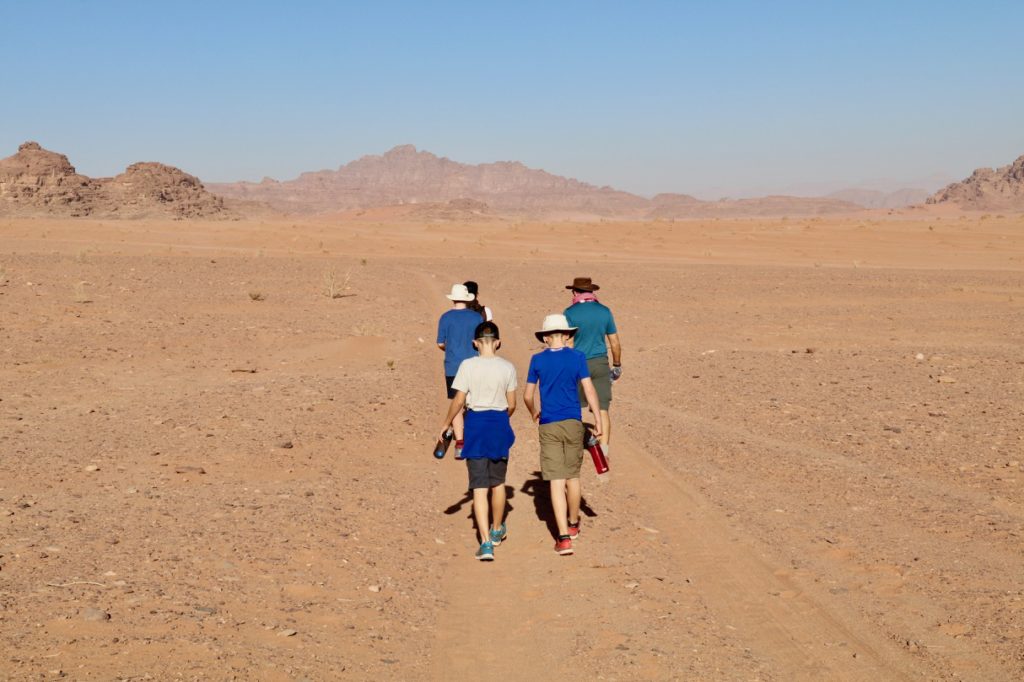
(555, 323)
(460, 293)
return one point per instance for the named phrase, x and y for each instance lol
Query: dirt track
(794, 494)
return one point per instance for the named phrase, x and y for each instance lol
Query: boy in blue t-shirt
(455, 337)
(558, 370)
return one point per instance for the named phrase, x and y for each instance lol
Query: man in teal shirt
(597, 334)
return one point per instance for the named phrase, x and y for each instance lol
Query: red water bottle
(597, 453)
(442, 444)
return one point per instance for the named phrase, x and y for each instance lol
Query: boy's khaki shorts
(561, 449)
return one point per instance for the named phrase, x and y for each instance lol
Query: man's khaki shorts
(600, 375)
(561, 449)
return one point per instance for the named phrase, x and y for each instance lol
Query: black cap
(486, 330)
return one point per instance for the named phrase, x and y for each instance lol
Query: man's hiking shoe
(564, 545)
(574, 530)
(458, 449)
(498, 536)
(486, 551)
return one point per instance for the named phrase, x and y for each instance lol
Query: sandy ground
(816, 461)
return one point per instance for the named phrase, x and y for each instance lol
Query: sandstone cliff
(987, 189)
(38, 182)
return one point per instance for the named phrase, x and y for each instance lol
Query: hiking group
(572, 371)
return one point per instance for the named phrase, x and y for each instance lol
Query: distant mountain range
(405, 175)
(36, 181)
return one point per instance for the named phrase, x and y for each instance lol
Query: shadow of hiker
(467, 501)
(540, 490)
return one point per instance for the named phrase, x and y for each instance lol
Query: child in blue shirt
(558, 370)
(455, 337)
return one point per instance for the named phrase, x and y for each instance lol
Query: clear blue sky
(700, 97)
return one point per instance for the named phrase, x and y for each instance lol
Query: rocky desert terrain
(215, 451)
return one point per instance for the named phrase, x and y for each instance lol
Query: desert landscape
(216, 432)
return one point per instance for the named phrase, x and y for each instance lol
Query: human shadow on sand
(540, 490)
(467, 501)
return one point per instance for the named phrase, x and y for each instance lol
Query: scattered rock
(287, 633)
(189, 470)
(944, 379)
(95, 615)
(287, 445)
(919, 357)
(92, 467)
(374, 588)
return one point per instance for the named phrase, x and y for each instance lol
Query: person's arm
(510, 396)
(530, 400)
(458, 402)
(441, 333)
(616, 350)
(592, 402)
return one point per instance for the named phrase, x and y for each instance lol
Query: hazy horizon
(733, 99)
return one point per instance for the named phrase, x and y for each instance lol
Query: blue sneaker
(498, 536)
(486, 551)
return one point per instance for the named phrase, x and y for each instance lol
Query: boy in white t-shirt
(486, 385)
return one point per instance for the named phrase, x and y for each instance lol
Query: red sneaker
(574, 530)
(564, 546)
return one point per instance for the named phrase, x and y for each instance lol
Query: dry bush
(257, 296)
(335, 288)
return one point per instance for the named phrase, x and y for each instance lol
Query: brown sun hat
(582, 284)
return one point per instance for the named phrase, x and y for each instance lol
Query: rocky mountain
(987, 189)
(405, 175)
(36, 181)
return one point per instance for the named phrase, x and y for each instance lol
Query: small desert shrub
(335, 288)
(257, 296)
(391, 364)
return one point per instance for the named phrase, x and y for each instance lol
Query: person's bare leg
(574, 496)
(498, 505)
(458, 425)
(606, 427)
(558, 506)
(481, 513)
